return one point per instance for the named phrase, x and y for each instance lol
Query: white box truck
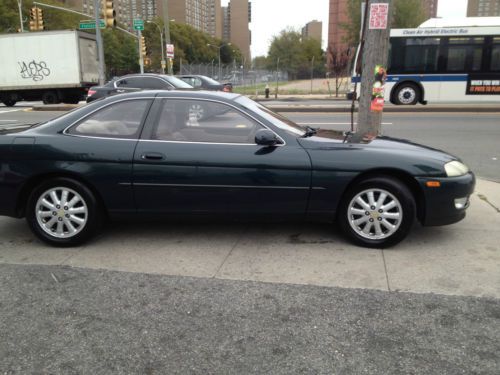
(52, 66)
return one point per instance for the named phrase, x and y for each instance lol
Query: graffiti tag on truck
(34, 70)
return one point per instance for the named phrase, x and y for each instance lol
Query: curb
(419, 109)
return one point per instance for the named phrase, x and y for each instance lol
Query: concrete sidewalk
(460, 259)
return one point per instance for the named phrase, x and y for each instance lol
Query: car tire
(377, 212)
(60, 206)
(50, 97)
(407, 94)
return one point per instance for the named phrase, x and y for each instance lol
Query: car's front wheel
(63, 212)
(377, 212)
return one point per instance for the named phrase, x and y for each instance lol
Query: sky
(269, 17)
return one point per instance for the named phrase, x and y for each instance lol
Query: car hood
(374, 153)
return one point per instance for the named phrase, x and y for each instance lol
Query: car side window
(196, 82)
(190, 120)
(118, 120)
(153, 83)
(131, 82)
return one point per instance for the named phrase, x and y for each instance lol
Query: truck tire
(9, 102)
(50, 97)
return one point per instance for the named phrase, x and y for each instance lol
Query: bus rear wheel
(407, 94)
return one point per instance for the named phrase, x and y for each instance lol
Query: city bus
(444, 61)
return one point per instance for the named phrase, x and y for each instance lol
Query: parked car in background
(206, 83)
(143, 155)
(136, 82)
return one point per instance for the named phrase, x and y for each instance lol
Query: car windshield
(177, 83)
(278, 120)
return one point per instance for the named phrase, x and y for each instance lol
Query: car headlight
(455, 169)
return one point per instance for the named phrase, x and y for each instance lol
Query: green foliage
(407, 14)
(191, 46)
(121, 53)
(295, 54)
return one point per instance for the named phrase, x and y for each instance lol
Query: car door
(184, 164)
(102, 148)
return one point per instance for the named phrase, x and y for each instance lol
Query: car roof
(198, 94)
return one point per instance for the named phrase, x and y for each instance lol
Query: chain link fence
(237, 75)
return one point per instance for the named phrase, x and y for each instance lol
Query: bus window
(422, 55)
(456, 58)
(495, 56)
(477, 58)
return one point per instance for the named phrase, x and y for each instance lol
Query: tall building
(236, 17)
(126, 10)
(313, 30)
(203, 15)
(483, 8)
(430, 7)
(337, 16)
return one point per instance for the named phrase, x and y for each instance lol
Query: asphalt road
(60, 320)
(474, 137)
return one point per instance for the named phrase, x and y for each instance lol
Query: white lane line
(334, 123)
(11, 110)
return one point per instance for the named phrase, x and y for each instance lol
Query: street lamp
(218, 48)
(163, 61)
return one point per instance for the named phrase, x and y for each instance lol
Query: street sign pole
(100, 50)
(166, 24)
(141, 58)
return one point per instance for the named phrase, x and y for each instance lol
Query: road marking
(12, 110)
(334, 123)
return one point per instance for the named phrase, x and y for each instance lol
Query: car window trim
(141, 126)
(210, 143)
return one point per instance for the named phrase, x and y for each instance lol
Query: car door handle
(153, 156)
(120, 91)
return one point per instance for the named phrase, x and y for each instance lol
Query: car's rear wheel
(9, 102)
(63, 212)
(377, 212)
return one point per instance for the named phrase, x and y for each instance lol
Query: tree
(338, 64)
(295, 54)
(406, 14)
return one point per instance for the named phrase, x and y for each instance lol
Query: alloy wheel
(61, 212)
(375, 214)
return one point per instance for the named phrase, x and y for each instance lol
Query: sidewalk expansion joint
(386, 273)
(484, 198)
(228, 254)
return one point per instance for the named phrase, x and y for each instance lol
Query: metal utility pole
(374, 54)
(141, 55)
(100, 49)
(166, 23)
(20, 6)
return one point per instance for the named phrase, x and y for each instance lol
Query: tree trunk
(375, 53)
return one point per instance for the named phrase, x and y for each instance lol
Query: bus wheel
(407, 94)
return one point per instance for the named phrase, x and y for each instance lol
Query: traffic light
(109, 14)
(36, 19)
(143, 46)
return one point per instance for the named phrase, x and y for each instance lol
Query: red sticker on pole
(379, 13)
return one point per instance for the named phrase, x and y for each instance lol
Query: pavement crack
(386, 273)
(485, 198)
(228, 255)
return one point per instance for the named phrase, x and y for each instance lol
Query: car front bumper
(447, 203)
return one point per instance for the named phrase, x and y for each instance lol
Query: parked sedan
(144, 154)
(136, 82)
(206, 83)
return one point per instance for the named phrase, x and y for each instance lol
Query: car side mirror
(266, 137)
